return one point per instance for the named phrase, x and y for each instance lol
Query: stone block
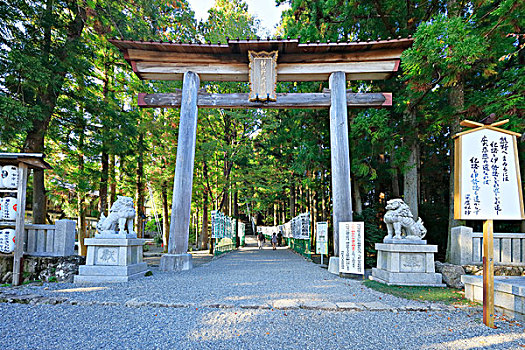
(318, 305)
(333, 265)
(107, 279)
(407, 278)
(451, 274)
(377, 306)
(509, 294)
(176, 262)
(64, 242)
(461, 245)
(404, 241)
(285, 304)
(347, 305)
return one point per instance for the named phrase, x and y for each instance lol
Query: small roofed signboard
(487, 174)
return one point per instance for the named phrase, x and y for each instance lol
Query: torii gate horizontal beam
(284, 100)
(367, 70)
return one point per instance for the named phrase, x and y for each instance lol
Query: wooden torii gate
(262, 63)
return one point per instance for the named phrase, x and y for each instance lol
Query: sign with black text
(352, 247)
(321, 244)
(487, 176)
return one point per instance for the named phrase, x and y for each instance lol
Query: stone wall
(467, 247)
(498, 270)
(46, 269)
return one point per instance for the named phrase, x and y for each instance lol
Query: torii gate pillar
(340, 155)
(178, 258)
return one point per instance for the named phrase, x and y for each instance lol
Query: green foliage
(61, 79)
(445, 49)
(157, 239)
(374, 233)
(228, 19)
(151, 226)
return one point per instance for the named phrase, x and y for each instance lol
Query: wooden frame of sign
(486, 170)
(24, 161)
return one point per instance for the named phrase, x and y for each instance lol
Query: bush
(151, 226)
(373, 233)
(157, 239)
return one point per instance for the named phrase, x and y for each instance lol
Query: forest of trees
(67, 92)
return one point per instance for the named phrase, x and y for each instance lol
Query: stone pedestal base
(406, 265)
(333, 265)
(176, 262)
(112, 260)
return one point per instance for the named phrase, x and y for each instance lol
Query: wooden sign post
(487, 186)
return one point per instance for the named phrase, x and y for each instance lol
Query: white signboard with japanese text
(352, 247)
(321, 245)
(487, 178)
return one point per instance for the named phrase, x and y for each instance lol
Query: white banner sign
(352, 247)
(488, 185)
(321, 245)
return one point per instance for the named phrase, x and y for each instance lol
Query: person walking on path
(279, 238)
(274, 241)
(260, 240)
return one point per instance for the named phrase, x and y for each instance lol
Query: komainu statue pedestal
(112, 260)
(406, 265)
(115, 254)
(404, 258)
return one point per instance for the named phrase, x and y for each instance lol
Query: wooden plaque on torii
(263, 75)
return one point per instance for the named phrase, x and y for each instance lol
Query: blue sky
(264, 10)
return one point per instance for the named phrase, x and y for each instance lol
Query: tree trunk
(103, 189)
(456, 97)
(292, 201)
(165, 216)
(357, 197)
(81, 203)
(141, 215)
(204, 233)
(34, 143)
(410, 188)
(323, 197)
(395, 176)
(112, 180)
(236, 217)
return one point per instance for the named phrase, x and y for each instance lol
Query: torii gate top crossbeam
(370, 60)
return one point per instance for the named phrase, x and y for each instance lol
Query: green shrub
(157, 239)
(373, 234)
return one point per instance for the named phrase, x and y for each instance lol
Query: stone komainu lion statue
(399, 219)
(121, 213)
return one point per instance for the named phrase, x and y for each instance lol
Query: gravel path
(248, 299)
